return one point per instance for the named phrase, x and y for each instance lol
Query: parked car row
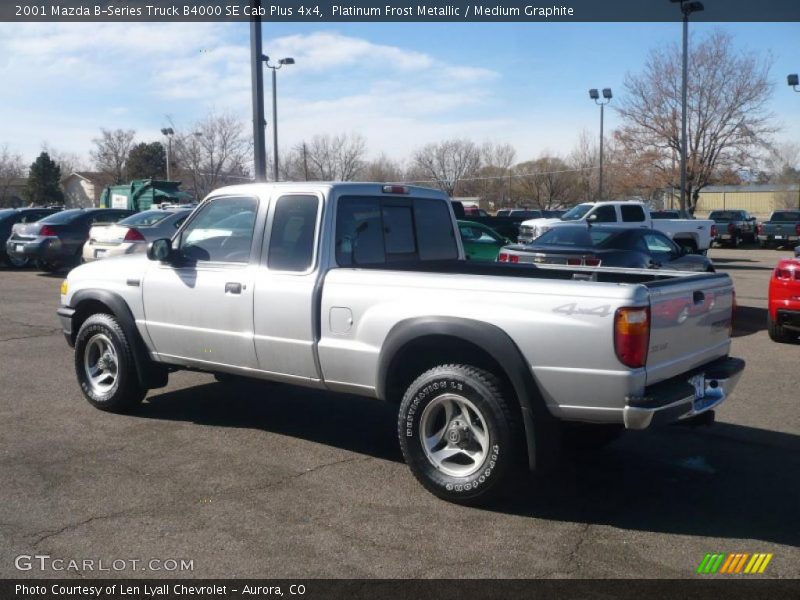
(54, 239)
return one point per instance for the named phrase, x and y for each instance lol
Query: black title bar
(540, 11)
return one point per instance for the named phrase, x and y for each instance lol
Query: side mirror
(592, 218)
(160, 250)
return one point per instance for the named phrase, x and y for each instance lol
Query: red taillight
(502, 257)
(784, 273)
(591, 261)
(395, 189)
(133, 235)
(797, 229)
(731, 228)
(47, 231)
(574, 262)
(513, 258)
(586, 261)
(632, 336)
(713, 231)
(760, 229)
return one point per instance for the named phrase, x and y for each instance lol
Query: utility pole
(257, 83)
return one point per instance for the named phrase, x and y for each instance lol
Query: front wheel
(105, 367)
(458, 433)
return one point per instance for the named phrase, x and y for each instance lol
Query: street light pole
(281, 62)
(794, 81)
(594, 95)
(168, 132)
(257, 85)
(687, 8)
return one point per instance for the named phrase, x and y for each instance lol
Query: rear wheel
(16, 262)
(105, 367)
(48, 266)
(780, 334)
(734, 241)
(458, 433)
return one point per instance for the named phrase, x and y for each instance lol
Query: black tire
(48, 266)
(778, 333)
(583, 438)
(763, 244)
(123, 389)
(15, 263)
(690, 245)
(734, 241)
(490, 415)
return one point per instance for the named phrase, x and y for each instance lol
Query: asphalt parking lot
(272, 481)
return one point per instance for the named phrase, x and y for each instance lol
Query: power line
(506, 176)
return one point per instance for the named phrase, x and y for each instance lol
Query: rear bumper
(783, 239)
(788, 318)
(98, 251)
(674, 399)
(45, 248)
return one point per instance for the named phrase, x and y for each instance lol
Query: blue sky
(400, 85)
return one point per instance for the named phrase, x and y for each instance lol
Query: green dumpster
(142, 194)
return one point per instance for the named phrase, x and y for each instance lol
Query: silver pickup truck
(363, 288)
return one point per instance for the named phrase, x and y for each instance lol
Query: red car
(784, 301)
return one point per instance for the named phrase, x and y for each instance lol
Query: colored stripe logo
(741, 562)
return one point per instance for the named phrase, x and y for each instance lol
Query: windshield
(724, 215)
(786, 216)
(145, 219)
(65, 216)
(576, 213)
(577, 237)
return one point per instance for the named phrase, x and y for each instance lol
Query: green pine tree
(44, 179)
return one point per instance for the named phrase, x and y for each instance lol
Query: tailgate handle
(233, 288)
(699, 297)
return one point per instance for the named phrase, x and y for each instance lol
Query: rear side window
(632, 213)
(375, 231)
(785, 216)
(291, 241)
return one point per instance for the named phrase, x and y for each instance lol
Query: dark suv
(57, 241)
(10, 217)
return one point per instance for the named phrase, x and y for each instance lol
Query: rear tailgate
(111, 235)
(26, 231)
(690, 323)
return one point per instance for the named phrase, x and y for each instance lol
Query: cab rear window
(371, 230)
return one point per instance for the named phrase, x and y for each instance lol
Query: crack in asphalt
(294, 476)
(51, 533)
(48, 333)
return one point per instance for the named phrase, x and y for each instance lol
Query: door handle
(233, 287)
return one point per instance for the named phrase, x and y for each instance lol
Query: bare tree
(111, 152)
(728, 118)
(215, 151)
(382, 169)
(11, 168)
(68, 162)
(330, 157)
(545, 183)
(448, 162)
(492, 182)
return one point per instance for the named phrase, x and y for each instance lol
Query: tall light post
(793, 81)
(687, 8)
(168, 132)
(257, 90)
(594, 95)
(275, 67)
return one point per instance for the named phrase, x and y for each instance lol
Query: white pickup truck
(695, 235)
(364, 289)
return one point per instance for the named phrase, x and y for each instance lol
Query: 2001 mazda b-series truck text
(363, 288)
